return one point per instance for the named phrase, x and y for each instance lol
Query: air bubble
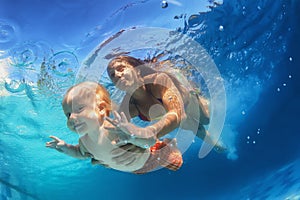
(164, 4)
(290, 58)
(194, 21)
(15, 83)
(221, 28)
(7, 34)
(4, 33)
(64, 63)
(23, 55)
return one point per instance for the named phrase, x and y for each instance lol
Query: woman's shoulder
(150, 78)
(156, 77)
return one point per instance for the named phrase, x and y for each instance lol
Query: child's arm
(68, 149)
(129, 133)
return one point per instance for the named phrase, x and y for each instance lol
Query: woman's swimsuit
(145, 118)
(142, 117)
(140, 114)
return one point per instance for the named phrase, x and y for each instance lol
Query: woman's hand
(127, 154)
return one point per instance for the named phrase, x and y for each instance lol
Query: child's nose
(72, 118)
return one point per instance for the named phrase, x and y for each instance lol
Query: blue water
(254, 45)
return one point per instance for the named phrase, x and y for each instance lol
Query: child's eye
(80, 108)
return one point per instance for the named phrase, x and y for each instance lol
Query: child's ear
(102, 108)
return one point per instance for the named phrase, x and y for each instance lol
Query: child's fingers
(123, 118)
(117, 116)
(54, 138)
(113, 122)
(48, 144)
(110, 128)
(113, 130)
(51, 144)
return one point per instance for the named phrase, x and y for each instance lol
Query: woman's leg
(204, 111)
(205, 136)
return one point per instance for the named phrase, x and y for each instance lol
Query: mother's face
(123, 75)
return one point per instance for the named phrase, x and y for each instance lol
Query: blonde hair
(101, 94)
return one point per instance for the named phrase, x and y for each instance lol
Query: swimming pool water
(254, 46)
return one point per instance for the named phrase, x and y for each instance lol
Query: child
(86, 105)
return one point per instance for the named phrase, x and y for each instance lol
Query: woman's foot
(220, 147)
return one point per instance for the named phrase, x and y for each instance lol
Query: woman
(152, 94)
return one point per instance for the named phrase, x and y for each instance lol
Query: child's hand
(142, 137)
(57, 144)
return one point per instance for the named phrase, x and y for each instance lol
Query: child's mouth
(78, 126)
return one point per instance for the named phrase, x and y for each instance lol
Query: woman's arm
(165, 89)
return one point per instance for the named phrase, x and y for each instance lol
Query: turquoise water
(253, 45)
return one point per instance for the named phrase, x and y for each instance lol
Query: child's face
(79, 106)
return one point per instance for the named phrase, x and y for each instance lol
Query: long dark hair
(147, 67)
(133, 62)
